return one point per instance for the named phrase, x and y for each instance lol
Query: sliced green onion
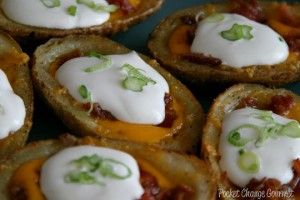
(98, 7)
(84, 92)
(106, 62)
(51, 3)
(280, 39)
(134, 84)
(235, 138)
(87, 168)
(135, 80)
(72, 10)
(291, 129)
(237, 32)
(249, 162)
(216, 17)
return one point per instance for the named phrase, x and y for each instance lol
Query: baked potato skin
(184, 138)
(222, 105)
(110, 27)
(195, 73)
(181, 169)
(20, 81)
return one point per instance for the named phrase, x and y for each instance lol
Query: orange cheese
(294, 112)
(119, 14)
(141, 133)
(179, 41)
(26, 178)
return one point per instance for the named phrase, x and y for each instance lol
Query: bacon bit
(248, 102)
(294, 43)
(248, 8)
(18, 193)
(286, 15)
(188, 19)
(170, 115)
(124, 5)
(281, 104)
(201, 59)
(150, 185)
(181, 192)
(99, 112)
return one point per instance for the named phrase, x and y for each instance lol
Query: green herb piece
(235, 138)
(249, 162)
(280, 39)
(98, 7)
(51, 3)
(135, 80)
(237, 32)
(87, 168)
(241, 151)
(86, 95)
(291, 129)
(216, 17)
(84, 92)
(271, 129)
(72, 10)
(106, 62)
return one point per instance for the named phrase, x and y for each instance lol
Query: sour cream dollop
(35, 13)
(276, 155)
(266, 47)
(55, 170)
(12, 108)
(106, 88)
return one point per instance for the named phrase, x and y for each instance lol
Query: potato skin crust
(20, 81)
(112, 26)
(181, 169)
(223, 104)
(185, 138)
(278, 74)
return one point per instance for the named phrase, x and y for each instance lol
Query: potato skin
(112, 26)
(181, 169)
(21, 84)
(278, 74)
(185, 138)
(223, 104)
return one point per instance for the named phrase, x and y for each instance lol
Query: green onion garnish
(87, 168)
(271, 129)
(72, 10)
(98, 7)
(291, 129)
(280, 39)
(235, 138)
(216, 17)
(249, 162)
(86, 95)
(51, 3)
(135, 80)
(237, 32)
(106, 62)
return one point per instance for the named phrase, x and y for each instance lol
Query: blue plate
(47, 125)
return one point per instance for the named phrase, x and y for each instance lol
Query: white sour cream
(12, 108)
(265, 48)
(35, 13)
(54, 170)
(145, 107)
(276, 155)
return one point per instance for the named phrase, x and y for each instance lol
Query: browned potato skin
(180, 169)
(184, 138)
(222, 105)
(21, 84)
(278, 74)
(112, 26)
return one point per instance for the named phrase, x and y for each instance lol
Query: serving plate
(46, 125)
